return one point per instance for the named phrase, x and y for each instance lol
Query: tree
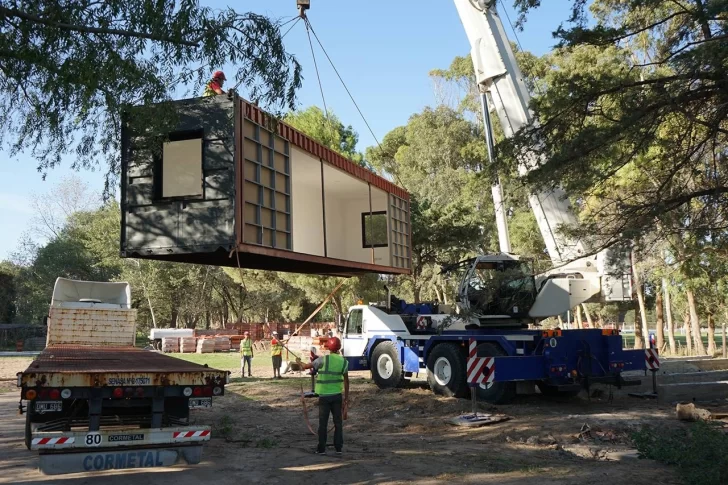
(67, 70)
(640, 94)
(328, 130)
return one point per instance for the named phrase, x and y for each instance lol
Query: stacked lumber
(205, 346)
(170, 344)
(187, 345)
(222, 344)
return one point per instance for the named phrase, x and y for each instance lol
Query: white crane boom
(498, 75)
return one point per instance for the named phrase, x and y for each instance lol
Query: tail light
(66, 393)
(207, 391)
(197, 391)
(128, 392)
(30, 394)
(140, 391)
(55, 394)
(217, 391)
(118, 393)
(187, 391)
(43, 394)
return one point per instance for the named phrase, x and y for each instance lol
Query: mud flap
(61, 463)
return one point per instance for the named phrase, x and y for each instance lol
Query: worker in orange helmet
(332, 379)
(214, 87)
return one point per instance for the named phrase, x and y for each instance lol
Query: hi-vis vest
(208, 90)
(330, 377)
(277, 348)
(246, 346)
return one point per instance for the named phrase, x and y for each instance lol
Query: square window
(374, 229)
(182, 168)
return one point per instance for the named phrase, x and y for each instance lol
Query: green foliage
(67, 70)
(327, 130)
(699, 452)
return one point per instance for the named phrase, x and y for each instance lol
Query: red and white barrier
(480, 369)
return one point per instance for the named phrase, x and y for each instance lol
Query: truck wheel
(446, 371)
(387, 370)
(495, 392)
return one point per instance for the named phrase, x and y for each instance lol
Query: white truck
(95, 402)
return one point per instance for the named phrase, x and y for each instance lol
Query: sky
(383, 49)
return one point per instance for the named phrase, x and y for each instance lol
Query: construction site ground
(391, 436)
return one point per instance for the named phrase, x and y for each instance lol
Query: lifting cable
(309, 26)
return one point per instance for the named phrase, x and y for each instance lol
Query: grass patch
(266, 443)
(223, 427)
(700, 452)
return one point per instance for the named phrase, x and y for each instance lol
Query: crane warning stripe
(480, 369)
(652, 359)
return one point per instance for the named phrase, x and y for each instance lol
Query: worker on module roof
(332, 380)
(214, 87)
(246, 352)
(276, 349)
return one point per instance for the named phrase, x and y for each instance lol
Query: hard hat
(333, 344)
(275, 333)
(219, 75)
(246, 333)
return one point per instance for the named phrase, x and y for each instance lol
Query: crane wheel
(495, 392)
(446, 371)
(387, 370)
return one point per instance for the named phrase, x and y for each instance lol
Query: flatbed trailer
(95, 402)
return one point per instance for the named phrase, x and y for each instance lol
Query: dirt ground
(391, 437)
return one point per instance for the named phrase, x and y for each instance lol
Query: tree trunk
(688, 338)
(588, 317)
(561, 321)
(711, 336)
(579, 323)
(660, 320)
(600, 320)
(670, 323)
(173, 322)
(695, 324)
(639, 344)
(722, 338)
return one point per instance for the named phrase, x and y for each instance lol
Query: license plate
(202, 402)
(48, 406)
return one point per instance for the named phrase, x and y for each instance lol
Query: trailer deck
(77, 365)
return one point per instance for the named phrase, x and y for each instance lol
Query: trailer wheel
(446, 370)
(387, 370)
(28, 429)
(495, 392)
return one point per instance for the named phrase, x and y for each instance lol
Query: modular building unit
(230, 185)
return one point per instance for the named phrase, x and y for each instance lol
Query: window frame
(364, 233)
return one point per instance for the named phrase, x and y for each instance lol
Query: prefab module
(231, 185)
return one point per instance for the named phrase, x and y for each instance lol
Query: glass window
(355, 324)
(374, 229)
(182, 167)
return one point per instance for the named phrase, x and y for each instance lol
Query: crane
(579, 274)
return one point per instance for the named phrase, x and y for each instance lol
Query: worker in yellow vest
(246, 353)
(276, 349)
(332, 380)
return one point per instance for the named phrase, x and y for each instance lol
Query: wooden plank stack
(205, 346)
(188, 345)
(170, 344)
(222, 344)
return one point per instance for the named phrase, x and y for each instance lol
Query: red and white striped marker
(480, 369)
(190, 435)
(652, 359)
(62, 440)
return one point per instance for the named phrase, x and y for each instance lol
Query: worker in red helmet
(214, 87)
(332, 380)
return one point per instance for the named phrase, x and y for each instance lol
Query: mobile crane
(498, 296)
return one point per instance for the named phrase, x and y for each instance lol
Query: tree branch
(92, 30)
